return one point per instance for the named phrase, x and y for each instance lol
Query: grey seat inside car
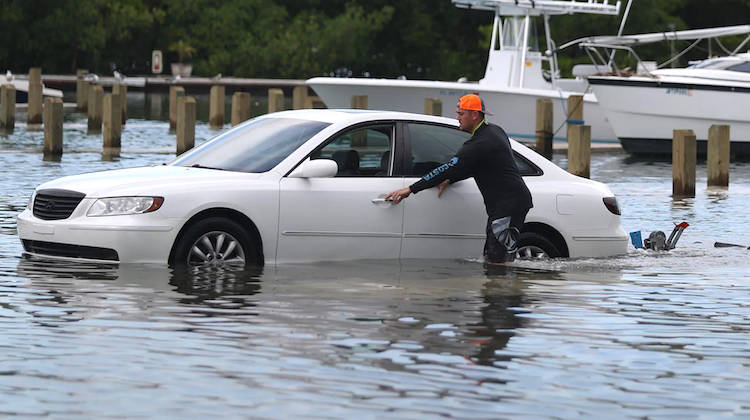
(348, 161)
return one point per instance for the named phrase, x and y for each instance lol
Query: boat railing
(594, 45)
(523, 7)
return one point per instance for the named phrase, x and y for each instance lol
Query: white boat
(645, 108)
(514, 78)
(22, 89)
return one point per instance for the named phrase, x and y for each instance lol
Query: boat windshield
(716, 64)
(255, 147)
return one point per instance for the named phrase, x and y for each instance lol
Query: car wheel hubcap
(530, 252)
(216, 248)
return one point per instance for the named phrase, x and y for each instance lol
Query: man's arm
(458, 168)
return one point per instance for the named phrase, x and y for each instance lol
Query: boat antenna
(619, 31)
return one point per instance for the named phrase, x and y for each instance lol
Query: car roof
(350, 116)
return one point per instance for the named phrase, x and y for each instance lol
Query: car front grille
(52, 204)
(70, 251)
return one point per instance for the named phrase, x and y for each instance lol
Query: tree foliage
(420, 39)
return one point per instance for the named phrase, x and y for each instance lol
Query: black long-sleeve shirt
(487, 157)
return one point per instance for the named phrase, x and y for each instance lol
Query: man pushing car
(488, 158)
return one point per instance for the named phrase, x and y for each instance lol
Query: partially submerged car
(309, 185)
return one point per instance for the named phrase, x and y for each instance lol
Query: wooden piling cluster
(684, 156)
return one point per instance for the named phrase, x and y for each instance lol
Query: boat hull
(644, 112)
(514, 109)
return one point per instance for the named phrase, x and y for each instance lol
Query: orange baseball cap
(472, 102)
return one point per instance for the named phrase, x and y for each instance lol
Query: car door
(345, 217)
(453, 225)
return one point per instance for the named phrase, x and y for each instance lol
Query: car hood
(145, 180)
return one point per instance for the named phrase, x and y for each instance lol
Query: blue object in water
(635, 238)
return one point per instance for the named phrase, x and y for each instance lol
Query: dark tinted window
(433, 145)
(743, 67)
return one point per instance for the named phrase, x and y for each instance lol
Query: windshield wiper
(198, 165)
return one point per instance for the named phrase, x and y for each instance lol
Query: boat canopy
(540, 7)
(634, 40)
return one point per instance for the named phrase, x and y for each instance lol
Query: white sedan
(308, 185)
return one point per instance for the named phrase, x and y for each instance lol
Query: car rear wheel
(215, 241)
(533, 246)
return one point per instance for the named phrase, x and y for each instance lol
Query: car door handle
(381, 200)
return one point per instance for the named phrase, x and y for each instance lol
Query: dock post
(574, 110)
(579, 150)
(53, 128)
(359, 102)
(718, 156)
(275, 100)
(82, 93)
(433, 106)
(122, 90)
(35, 96)
(8, 108)
(185, 124)
(684, 154)
(544, 127)
(112, 124)
(175, 92)
(216, 106)
(240, 107)
(299, 97)
(314, 102)
(95, 108)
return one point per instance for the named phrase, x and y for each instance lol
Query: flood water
(648, 335)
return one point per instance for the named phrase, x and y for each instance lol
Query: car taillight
(611, 204)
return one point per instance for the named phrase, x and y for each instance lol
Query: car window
(257, 146)
(364, 151)
(433, 145)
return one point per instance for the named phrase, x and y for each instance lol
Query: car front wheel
(215, 241)
(533, 246)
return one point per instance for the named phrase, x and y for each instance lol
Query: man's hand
(398, 195)
(442, 186)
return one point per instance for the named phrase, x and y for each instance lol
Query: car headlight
(116, 206)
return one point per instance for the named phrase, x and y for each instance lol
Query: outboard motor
(657, 240)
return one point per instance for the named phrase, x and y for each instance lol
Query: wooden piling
(544, 127)
(35, 96)
(684, 153)
(175, 92)
(359, 102)
(112, 124)
(216, 106)
(314, 102)
(95, 108)
(53, 127)
(122, 90)
(579, 150)
(185, 124)
(718, 156)
(240, 107)
(574, 109)
(82, 93)
(8, 108)
(299, 97)
(433, 106)
(275, 100)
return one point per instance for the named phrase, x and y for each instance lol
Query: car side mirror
(316, 168)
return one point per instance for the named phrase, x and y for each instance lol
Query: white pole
(525, 46)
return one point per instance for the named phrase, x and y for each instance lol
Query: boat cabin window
(742, 67)
(731, 64)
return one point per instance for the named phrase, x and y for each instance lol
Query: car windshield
(255, 147)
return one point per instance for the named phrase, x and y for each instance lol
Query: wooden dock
(162, 83)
